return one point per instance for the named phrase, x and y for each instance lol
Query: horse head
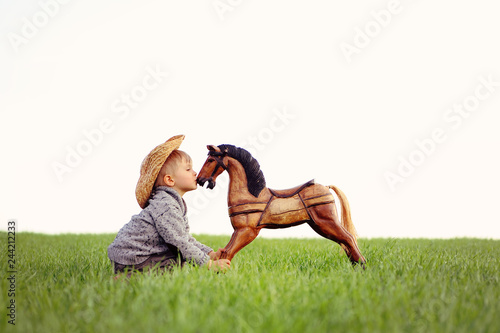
(215, 164)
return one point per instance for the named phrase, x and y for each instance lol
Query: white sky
(336, 91)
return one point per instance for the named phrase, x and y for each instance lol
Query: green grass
(64, 284)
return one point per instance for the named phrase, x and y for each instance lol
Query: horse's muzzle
(202, 181)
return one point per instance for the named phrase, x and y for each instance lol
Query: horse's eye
(211, 160)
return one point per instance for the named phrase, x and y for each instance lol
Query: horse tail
(346, 212)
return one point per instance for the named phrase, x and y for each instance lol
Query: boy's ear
(168, 180)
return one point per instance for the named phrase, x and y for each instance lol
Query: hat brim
(151, 166)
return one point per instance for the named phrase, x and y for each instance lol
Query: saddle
(291, 191)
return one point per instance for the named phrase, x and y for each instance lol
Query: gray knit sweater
(161, 227)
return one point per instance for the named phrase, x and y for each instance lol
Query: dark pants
(160, 262)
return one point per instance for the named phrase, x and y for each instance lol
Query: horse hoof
(360, 263)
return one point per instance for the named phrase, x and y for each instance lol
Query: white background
(346, 119)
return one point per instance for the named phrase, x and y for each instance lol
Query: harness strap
(247, 208)
(259, 207)
(218, 158)
(319, 200)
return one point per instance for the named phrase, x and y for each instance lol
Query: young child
(159, 235)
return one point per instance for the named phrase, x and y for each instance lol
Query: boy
(159, 235)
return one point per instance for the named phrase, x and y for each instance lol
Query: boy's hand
(219, 265)
(216, 255)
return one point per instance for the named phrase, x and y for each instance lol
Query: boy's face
(184, 178)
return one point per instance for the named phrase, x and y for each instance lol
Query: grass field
(64, 284)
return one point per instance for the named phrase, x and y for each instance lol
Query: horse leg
(326, 223)
(241, 237)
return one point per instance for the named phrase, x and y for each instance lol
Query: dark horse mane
(255, 178)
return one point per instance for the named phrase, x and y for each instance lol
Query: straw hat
(151, 166)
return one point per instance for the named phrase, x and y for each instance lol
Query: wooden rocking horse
(253, 206)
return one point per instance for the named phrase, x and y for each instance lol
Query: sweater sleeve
(171, 228)
(203, 247)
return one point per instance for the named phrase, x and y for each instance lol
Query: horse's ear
(213, 148)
